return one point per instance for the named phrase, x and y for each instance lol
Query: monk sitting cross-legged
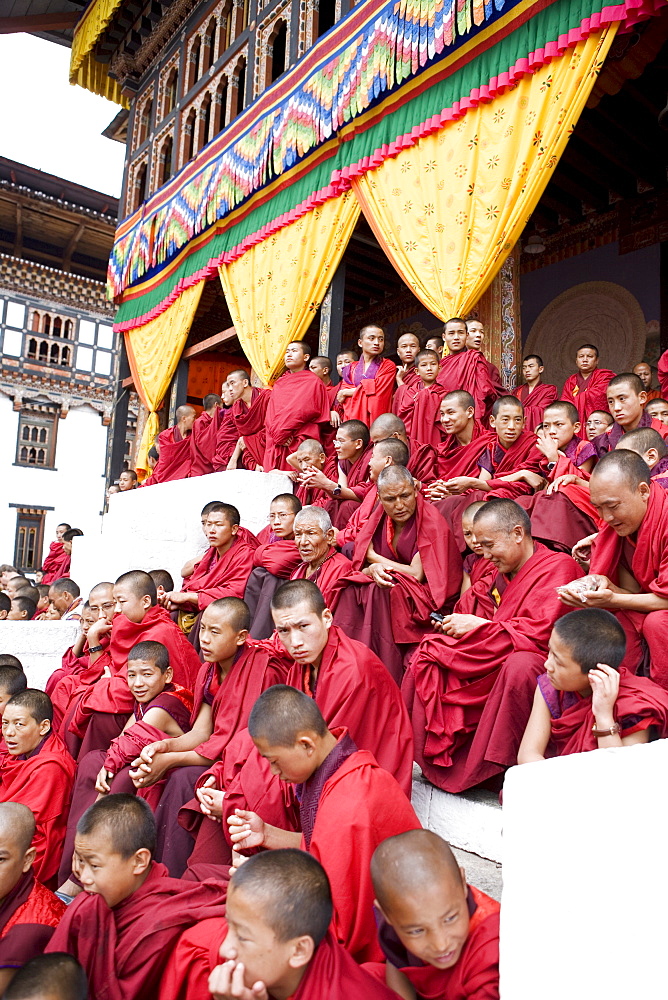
(274, 942)
(469, 691)
(465, 440)
(174, 449)
(234, 674)
(628, 558)
(37, 770)
(586, 700)
(29, 912)
(351, 687)
(407, 565)
(440, 936)
(347, 806)
(123, 926)
(421, 457)
(320, 561)
(273, 561)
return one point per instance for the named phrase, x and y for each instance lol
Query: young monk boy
(440, 936)
(49, 977)
(534, 394)
(123, 926)
(626, 402)
(29, 912)
(419, 409)
(597, 423)
(310, 457)
(12, 681)
(22, 609)
(38, 771)
(351, 484)
(653, 450)
(408, 348)
(658, 410)
(275, 941)
(586, 700)
(274, 560)
(586, 389)
(437, 344)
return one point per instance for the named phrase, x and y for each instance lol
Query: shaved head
(17, 822)
(395, 475)
(563, 406)
(393, 448)
(231, 610)
(56, 976)
(184, 411)
(386, 425)
(140, 584)
(503, 515)
(311, 447)
(282, 714)
(410, 864)
(461, 398)
(470, 512)
(312, 514)
(626, 466)
(294, 592)
(641, 440)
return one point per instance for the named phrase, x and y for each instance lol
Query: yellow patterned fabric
(84, 69)
(448, 210)
(275, 288)
(154, 351)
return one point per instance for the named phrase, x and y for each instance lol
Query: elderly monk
(626, 401)
(273, 561)
(586, 700)
(298, 408)
(465, 441)
(283, 901)
(320, 562)
(351, 687)
(248, 413)
(440, 935)
(29, 912)
(174, 449)
(386, 451)
(421, 457)
(469, 691)
(407, 565)
(653, 450)
(367, 386)
(464, 369)
(628, 558)
(533, 394)
(203, 438)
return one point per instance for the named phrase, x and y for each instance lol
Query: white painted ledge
(39, 646)
(471, 821)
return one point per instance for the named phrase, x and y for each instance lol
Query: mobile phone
(437, 617)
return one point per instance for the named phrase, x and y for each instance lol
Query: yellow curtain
(274, 289)
(448, 210)
(84, 68)
(154, 351)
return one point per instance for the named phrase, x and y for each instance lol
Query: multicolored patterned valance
(390, 74)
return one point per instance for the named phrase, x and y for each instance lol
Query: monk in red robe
(464, 369)
(626, 400)
(420, 409)
(234, 674)
(475, 341)
(421, 457)
(653, 450)
(319, 560)
(123, 926)
(203, 439)
(249, 410)
(37, 770)
(347, 806)
(274, 560)
(29, 912)
(533, 394)
(228, 449)
(76, 660)
(222, 571)
(465, 440)
(645, 374)
(407, 566)
(587, 388)
(386, 451)
(57, 562)
(417, 881)
(408, 347)
(322, 367)
(282, 951)
(351, 482)
(310, 457)
(585, 700)
(367, 386)
(174, 449)
(628, 558)
(298, 408)
(469, 691)
(351, 687)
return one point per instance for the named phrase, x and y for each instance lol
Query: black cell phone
(437, 617)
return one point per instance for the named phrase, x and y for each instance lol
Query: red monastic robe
(29, 914)
(43, 782)
(663, 374)
(373, 396)
(327, 574)
(360, 516)
(404, 400)
(645, 556)
(217, 576)
(124, 950)
(175, 458)
(454, 459)
(249, 422)
(534, 402)
(332, 974)
(226, 439)
(640, 704)
(382, 617)
(425, 423)
(468, 370)
(273, 562)
(203, 441)
(57, 563)
(587, 394)
(298, 409)
(475, 976)
(357, 476)
(470, 699)
(422, 461)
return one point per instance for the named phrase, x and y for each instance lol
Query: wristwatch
(614, 730)
(336, 492)
(95, 649)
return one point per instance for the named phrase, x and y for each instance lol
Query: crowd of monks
(212, 795)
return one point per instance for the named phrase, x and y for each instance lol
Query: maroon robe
(469, 370)
(273, 562)
(327, 574)
(421, 461)
(357, 476)
(249, 422)
(203, 441)
(298, 409)
(57, 563)
(587, 394)
(470, 698)
(454, 459)
(29, 914)
(226, 439)
(175, 458)
(535, 402)
(425, 425)
(663, 374)
(374, 389)
(215, 577)
(382, 617)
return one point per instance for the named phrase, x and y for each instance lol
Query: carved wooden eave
(129, 69)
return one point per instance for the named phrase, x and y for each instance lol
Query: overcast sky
(48, 124)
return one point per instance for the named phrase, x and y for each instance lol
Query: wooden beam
(71, 245)
(18, 236)
(206, 345)
(39, 22)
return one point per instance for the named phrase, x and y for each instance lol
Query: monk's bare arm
(537, 733)
(163, 721)
(461, 484)
(414, 569)
(398, 982)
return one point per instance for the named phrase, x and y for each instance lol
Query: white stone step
(471, 821)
